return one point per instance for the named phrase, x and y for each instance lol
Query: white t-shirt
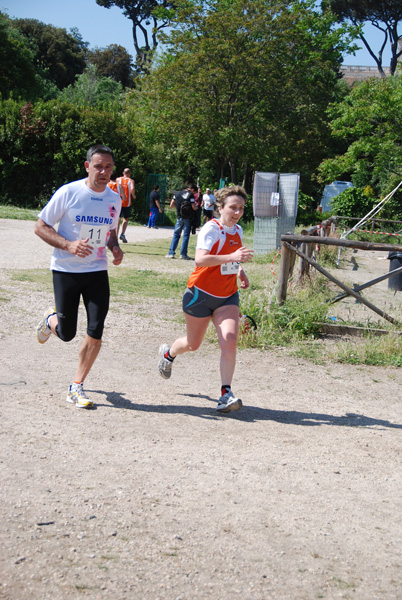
(82, 213)
(209, 200)
(210, 233)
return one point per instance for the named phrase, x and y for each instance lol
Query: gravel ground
(154, 495)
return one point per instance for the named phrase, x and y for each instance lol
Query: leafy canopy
(113, 61)
(143, 13)
(243, 85)
(59, 54)
(384, 15)
(19, 74)
(369, 122)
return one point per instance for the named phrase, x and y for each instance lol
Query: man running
(128, 185)
(87, 211)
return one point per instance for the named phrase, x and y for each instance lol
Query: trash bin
(395, 261)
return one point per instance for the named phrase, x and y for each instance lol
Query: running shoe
(169, 256)
(164, 365)
(43, 331)
(123, 238)
(78, 397)
(184, 257)
(228, 402)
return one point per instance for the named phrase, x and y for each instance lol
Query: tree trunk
(233, 172)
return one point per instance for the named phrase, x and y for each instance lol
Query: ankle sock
(224, 389)
(47, 320)
(168, 357)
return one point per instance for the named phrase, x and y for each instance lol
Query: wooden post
(292, 263)
(344, 287)
(284, 270)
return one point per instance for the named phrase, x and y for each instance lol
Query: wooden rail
(290, 245)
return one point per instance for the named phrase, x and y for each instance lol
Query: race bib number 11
(97, 234)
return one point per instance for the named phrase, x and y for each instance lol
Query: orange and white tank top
(221, 280)
(125, 183)
(114, 186)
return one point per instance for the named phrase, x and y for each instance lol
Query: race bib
(230, 268)
(97, 234)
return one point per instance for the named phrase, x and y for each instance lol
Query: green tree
(353, 202)
(43, 146)
(90, 89)
(18, 74)
(142, 15)
(243, 86)
(369, 122)
(384, 15)
(113, 61)
(60, 55)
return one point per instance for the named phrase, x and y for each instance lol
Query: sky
(104, 26)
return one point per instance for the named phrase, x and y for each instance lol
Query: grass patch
(40, 276)
(328, 256)
(21, 214)
(146, 283)
(293, 321)
(384, 351)
(4, 295)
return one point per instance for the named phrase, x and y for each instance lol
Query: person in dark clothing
(154, 207)
(197, 214)
(183, 223)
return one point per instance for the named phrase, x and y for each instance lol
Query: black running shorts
(95, 292)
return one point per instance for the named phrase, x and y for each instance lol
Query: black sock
(224, 389)
(170, 358)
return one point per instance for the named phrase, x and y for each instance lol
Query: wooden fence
(303, 246)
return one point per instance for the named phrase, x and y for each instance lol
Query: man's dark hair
(99, 149)
(191, 186)
(156, 187)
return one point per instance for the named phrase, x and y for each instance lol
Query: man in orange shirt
(128, 185)
(117, 187)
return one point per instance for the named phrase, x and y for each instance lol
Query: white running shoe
(164, 365)
(169, 256)
(184, 257)
(43, 331)
(78, 397)
(228, 402)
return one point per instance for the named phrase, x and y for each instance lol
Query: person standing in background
(183, 201)
(208, 200)
(197, 214)
(117, 187)
(154, 207)
(128, 185)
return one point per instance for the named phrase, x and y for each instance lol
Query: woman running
(212, 292)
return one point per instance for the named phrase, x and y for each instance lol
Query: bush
(43, 146)
(353, 202)
(307, 213)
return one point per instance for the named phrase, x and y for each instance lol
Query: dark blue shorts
(200, 304)
(125, 212)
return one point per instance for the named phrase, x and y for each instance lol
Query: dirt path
(153, 495)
